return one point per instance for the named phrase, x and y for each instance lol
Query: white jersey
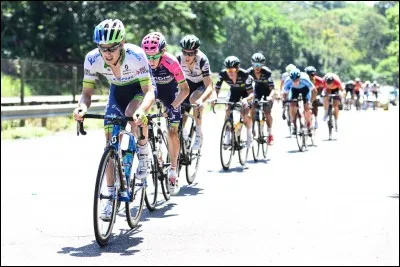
(134, 68)
(201, 69)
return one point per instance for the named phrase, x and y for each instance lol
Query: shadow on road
(394, 196)
(327, 140)
(189, 190)
(158, 213)
(259, 161)
(121, 243)
(294, 151)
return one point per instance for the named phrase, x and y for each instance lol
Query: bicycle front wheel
(103, 227)
(163, 172)
(257, 145)
(264, 137)
(134, 207)
(242, 146)
(193, 161)
(152, 182)
(227, 149)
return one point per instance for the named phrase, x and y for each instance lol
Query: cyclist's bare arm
(84, 103)
(209, 88)
(149, 97)
(184, 91)
(86, 97)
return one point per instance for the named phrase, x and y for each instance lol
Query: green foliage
(334, 36)
(11, 86)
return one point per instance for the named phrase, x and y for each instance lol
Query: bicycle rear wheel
(256, 146)
(193, 160)
(152, 183)
(226, 150)
(102, 228)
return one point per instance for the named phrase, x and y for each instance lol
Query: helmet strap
(120, 55)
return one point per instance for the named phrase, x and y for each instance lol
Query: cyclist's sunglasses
(258, 65)
(189, 54)
(110, 49)
(154, 57)
(231, 70)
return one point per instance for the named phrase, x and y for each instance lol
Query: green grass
(11, 86)
(33, 129)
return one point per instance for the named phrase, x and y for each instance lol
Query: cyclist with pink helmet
(168, 76)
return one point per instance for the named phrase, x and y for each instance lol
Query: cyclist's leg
(336, 104)
(306, 100)
(144, 150)
(293, 94)
(198, 116)
(173, 149)
(269, 120)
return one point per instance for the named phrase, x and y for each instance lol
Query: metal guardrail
(47, 99)
(44, 111)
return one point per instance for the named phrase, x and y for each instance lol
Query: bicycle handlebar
(233, 105)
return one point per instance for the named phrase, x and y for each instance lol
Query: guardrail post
(74, 80)
(22, 65)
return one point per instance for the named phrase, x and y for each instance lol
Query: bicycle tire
(243, 151)
(194, 160)
(256, 147)
(265, 138)
(227, 127)
(330, 123)
(299, 133)
(137, 192)
(166, 161)
(102, 239)
(151, 197)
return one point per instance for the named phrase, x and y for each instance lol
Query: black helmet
(257, 58)
(310, 70)
(294, 74)
(190, 42)
(231, 62)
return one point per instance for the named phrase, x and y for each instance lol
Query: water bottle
(238, 128)
(127, 158)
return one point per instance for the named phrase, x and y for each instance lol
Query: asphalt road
(335, 204)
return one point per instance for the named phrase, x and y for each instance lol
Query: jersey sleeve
(287, 85)
(144, 72)
(219, 80)
(90, 73)
(248, 81)
(205, 67)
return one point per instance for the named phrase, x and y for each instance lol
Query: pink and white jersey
(168, 72)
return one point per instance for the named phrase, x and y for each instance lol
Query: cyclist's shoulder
(200, 55)
(266, 69)
(169, 59)
(304, 76)
(134, 51)
(93, 57)
(243, 72)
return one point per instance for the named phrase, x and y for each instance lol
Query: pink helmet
(153, 42)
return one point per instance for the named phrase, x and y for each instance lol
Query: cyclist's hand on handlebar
(79, 112)
(139, 117)
(244, 103)
(199, 103)
(269, 98)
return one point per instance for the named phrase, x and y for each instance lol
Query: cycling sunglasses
(110, 49)
(189, 54)
(258, 65)
(154, 57)
(231, 70)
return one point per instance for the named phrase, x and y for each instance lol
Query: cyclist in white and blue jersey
(299, 83)
(132, 89)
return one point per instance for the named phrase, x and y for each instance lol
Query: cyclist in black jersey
(263, 88)
(241, 89)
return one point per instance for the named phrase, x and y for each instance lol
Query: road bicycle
(128, 188)
(237, 134)
(261, 134)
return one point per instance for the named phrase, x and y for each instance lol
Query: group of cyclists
(139, 76)
(356, 91)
